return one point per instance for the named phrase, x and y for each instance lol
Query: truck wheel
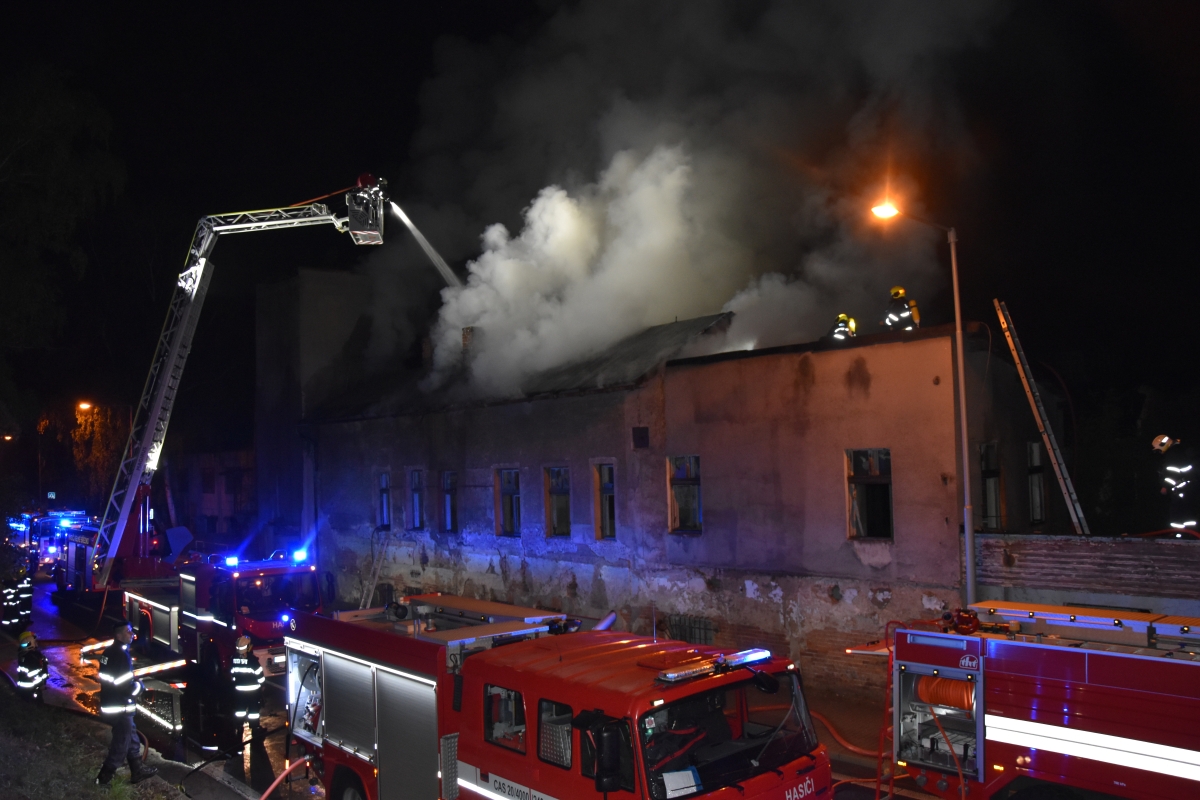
(346, 786)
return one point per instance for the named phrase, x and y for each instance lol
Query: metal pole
(968, 523)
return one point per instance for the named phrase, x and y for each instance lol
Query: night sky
(1074, 195)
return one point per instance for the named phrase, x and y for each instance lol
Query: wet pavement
(187, 728)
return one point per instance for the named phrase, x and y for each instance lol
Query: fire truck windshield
(270, 594)
(724, 736)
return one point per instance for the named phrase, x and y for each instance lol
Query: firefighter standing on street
(32, 667)
(1177, 481)
(118, 690)
(843, 329)
(248, 679)
(902, 313)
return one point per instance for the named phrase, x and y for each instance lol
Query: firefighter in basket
(248, 679)
(32, 667)
(118, 700)
(1177, 480)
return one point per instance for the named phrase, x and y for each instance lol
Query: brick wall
(1139, 567)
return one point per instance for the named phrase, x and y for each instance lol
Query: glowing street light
(887, 210)
(84, 406)
(8, 437)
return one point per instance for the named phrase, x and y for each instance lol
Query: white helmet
(1163, 443)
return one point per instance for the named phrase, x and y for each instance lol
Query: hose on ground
(862, 751)
(301, 762)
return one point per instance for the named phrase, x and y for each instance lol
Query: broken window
(416, 485)
(554, 733)
(993, 495)
(504, 717)
(449, 502)
(508, 502)
(1037, 482)
(870, 484)
(606, 501)
(558, 501)
(683, 475)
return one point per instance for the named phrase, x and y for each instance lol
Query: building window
(208, 480)
(683, 475)
(558, 501)
(641, 438)
(1037, 482)
(605, 499)
(416, 486)
(385, 501)
(993, 494)
(554, 733)
(449, 502)
(869, 480)
(508, 502)
(233, 482)
(504, 717)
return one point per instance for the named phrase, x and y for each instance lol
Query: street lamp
(887, 210)
(84, 406)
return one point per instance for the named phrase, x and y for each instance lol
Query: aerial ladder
(365, 206)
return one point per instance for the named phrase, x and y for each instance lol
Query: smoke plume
(635, 162)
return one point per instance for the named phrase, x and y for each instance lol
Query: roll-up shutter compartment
(349, 705)
(408, 742)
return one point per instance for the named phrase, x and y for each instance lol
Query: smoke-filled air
(594, 181)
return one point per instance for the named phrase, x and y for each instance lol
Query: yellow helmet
(851, 324)
(897, 292)
(1163, 443)
(27, 639)
(843, 318)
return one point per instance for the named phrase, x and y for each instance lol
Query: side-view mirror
(608, 759)
(766, 682)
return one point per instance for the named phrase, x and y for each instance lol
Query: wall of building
(774, 564)
(215, 495)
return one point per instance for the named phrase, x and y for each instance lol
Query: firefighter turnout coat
(248, 679)
(32, 670)
(118, 687)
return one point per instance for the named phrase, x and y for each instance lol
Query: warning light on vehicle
(300, 555)
(231, 561)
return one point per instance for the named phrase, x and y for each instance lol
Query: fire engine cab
(449, 697)
(1023, 700)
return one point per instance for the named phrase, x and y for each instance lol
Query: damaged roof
(627, 361)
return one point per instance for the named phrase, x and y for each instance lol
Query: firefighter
(25, 600)
(32, 667)
(843, 329)
(10, 602)
(1177, 481)
(118, 692)
(248, 679)
(902, 313)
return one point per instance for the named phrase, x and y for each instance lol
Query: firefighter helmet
(1163, 443)
(844, 318)
(28, 639)
(243, 643)
(897, 292)
(850, 323)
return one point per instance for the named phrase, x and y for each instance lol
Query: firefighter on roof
(118, 692)
(843, 329)
(248, 679)
(1177, 481)
(902, 313)
(32, 668)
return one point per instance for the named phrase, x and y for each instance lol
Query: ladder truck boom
(139, 460)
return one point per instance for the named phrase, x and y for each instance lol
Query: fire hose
(862, 751)
(300, 763)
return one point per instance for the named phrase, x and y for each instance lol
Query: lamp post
(887, 210)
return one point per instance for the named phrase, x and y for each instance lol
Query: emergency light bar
(231, 561)
(710, 666)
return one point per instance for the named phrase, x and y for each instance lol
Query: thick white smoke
(695, 156)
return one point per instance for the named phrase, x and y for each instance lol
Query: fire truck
(1022, 700)
(199, 614)
(441, 697)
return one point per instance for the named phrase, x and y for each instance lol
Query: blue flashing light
(231, 561)
(64, 523)
(51, 549)
(285, 618)
(300, 555)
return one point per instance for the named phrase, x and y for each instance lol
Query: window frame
(499, 498)
(673, 516)
(996, 521)
(417, 485)
(1036, 474)
(874, 477)
(488, 722)
(598, 499)
(449, 504)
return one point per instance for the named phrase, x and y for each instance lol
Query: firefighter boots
(138, 772)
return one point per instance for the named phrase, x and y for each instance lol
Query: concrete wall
(774, 564)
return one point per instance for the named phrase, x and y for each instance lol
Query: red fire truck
(448, 697)
(1039, 701)
(201, 613)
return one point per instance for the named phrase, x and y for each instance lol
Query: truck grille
(449, 758)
